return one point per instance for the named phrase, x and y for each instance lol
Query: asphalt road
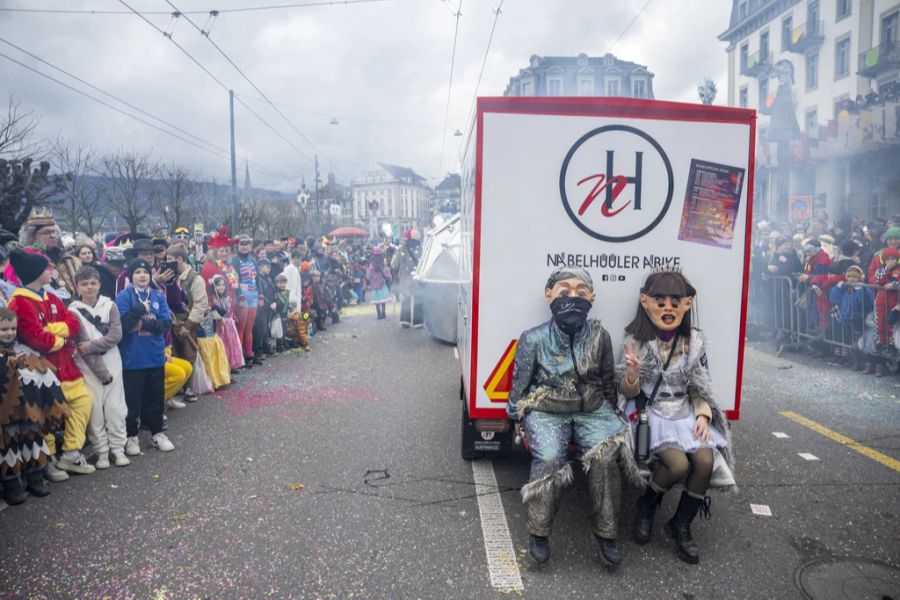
(336, 474)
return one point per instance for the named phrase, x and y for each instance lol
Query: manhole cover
(850, 578)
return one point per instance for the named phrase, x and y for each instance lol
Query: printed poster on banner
(616, 186)
(800, 208)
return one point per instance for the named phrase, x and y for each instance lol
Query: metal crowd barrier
(793, 314)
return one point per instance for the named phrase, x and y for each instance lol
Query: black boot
(679, 527)
(647, 506)
(12, 491)
(35, 482)
(539, 548)
(610, 550)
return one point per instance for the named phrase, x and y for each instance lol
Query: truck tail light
(492, 425)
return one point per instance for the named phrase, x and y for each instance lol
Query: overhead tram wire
(246, 78)
(108, 105)
(63, 11)
(275, 131)
(109, 95)
(216, 79)
(483, 63)
(449, 88)
(212, 149)
(627, 27)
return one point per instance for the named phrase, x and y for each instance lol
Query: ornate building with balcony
(385, 193)
(581, 75)
(802, 64)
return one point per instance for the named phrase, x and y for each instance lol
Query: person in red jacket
(891, 240)
(815, 273)
(887, 276)
(48, 327)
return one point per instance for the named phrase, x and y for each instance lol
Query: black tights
(676, 465)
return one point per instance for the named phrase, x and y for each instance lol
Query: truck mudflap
(481, 438)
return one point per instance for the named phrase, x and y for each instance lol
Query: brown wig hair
(85, 273)
(178, 251)
(667, 283)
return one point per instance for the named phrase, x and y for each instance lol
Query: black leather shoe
(12, 491)
(679, 527)
(610, 550)
(647, 506)
(539, 548)
(36, 484)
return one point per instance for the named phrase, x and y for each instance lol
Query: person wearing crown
(562, 389)
(40, 234)
(665, 378)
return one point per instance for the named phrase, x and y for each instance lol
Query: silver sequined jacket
(544, 377)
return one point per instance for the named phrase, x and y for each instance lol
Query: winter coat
(852, 302)
(143, 345)
(48, 327)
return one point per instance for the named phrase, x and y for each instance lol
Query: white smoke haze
(380, 68)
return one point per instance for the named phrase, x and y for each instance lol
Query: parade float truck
(618, 186)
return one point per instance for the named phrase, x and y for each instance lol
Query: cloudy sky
(380, 67)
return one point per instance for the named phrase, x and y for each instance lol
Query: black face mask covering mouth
(570, 313)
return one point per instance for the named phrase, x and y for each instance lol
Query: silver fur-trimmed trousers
(600, 437)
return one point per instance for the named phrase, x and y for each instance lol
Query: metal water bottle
(642, 437)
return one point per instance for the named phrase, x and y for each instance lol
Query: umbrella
(349, 232)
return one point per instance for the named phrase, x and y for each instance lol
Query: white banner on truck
(617, 186)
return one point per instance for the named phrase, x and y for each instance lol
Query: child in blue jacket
(145, 320)
(853, 303)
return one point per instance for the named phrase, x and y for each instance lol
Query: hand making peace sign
(632, 361)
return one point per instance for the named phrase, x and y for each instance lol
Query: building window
(842, 57)
(843, 8)
(764, 46)
(745, 52)
(812, 120)
(742, 9)
(763, 92)
(839, 105)
(787, 25)
(527, 88)
(612, 87)
(639, 88)
(554, 87)
(889, 28)
(585, 86)
(743, 97)
(812, 71)
(812, 13)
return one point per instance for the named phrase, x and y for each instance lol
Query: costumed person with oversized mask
(665, 378)
(563, 388)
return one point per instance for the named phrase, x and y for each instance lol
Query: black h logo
(636, 180)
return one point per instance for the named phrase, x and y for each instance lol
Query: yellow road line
(840, 438)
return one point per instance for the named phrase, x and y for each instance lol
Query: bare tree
(178, 196)
(131, 191)
(82, 207)
(253, 215)
(17, 139)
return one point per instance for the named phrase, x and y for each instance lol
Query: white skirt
(676, 433)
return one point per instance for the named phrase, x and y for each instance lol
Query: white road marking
(761, 509)
(807, 456)
(780, 435)
(501, 556)
(455, 353)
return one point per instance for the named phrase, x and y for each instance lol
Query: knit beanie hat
(138, 263)
(893, 232)
(856, 268)
(28, 266)
(886, 253)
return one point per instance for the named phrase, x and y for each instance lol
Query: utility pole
(319, 218)
(234, 202)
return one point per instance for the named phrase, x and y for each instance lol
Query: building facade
(445, 198)
(385, 193)
(823, 76)
(581, 75)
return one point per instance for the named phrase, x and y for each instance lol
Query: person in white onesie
(100, 363)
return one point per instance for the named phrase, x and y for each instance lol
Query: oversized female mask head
(666, 298)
